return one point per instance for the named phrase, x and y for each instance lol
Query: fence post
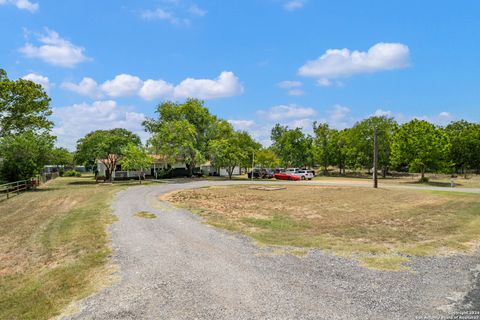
(18, 187)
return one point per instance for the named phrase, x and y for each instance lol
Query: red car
(286, 176)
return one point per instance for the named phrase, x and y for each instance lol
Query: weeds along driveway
(175, 267)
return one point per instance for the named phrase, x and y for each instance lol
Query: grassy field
(53, 246)
(381, 228)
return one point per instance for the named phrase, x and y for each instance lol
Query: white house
(160, 164)
(209, 170)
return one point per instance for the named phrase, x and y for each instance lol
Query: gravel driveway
(175, 267)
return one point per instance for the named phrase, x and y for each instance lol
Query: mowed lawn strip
(382, 227)
(53, 246)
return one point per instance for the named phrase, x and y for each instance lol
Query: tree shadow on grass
(87, 182)
(435, 184)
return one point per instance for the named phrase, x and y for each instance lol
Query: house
(157, 170)
(161, 168)
(209, 170)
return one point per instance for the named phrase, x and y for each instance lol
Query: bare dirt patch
(346, 220)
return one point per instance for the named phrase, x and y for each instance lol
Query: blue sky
(255, 62)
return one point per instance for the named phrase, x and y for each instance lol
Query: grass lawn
(53, 246)
(381, 228)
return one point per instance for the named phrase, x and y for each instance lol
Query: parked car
(286, 176)
(312, 172)
(261, 173)
(292, 170)
(304, 174)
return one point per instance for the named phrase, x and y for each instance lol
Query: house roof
(157, 157)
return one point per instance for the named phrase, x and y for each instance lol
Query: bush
(61, 172)
(72, 173)
(424, 180)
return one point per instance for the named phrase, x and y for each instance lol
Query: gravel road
(175, 267)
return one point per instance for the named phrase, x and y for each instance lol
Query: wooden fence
(12, 189)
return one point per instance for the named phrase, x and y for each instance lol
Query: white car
(303, 174)
(292, 170)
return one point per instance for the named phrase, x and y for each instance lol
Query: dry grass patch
(347, 221)
(53, 247)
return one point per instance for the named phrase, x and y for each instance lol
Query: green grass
(145, 215)
(386, 263)
(54, 247)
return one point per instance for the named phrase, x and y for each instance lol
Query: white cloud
(283, 112)
(154, 89)
(122, 85)
(86, 87)
(38, 78)
(324, 82)
(336, 63)
(225, 85)
(289, 84)
(175, 12)
(75, 121)
(382, 113)
(292, 86)
(292, 5)
(305, 124)
(295, 92)
(54, 50)
(161, 14)
(442, 119)
(22, 4)
(339, 117)
(242, 124)
(197, 11)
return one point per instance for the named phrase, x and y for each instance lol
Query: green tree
(184, 130)
(250, 149)
(360, 140)
(420, 146)
(465, 145)
(136, 158)
(24, 106)
(24, 155)
(106, 146)
(266, 158)
(290, 145)
(324, 145)
(339, 149)
(62, 157)
(227, 152)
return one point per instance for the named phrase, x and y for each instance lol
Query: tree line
(188, 132)
(415, 146)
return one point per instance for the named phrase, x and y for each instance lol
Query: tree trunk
(423, 172)
(190, 170)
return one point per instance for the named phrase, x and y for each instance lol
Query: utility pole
(253, 162)
(375, 158)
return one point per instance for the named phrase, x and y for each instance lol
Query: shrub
(423, 180)
(61, 172)
(72, 173)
